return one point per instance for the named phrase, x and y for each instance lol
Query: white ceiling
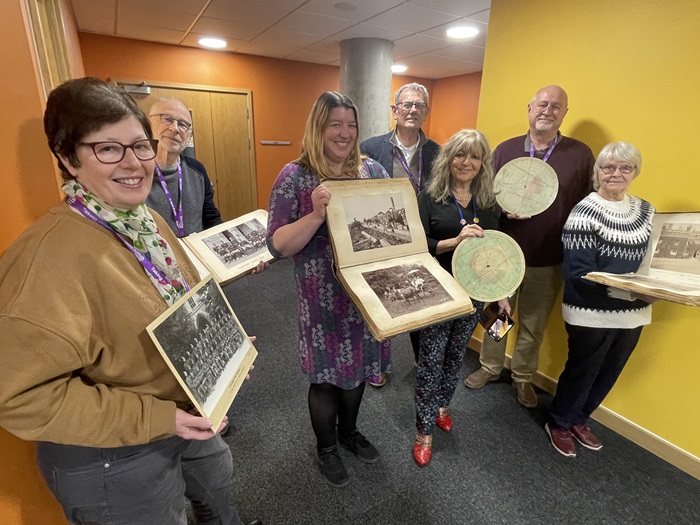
(304, 30)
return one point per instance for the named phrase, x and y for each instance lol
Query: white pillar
(365, 77)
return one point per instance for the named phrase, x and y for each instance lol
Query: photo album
(671, 268)
(382, 258)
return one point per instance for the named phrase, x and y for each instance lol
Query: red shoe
(423, 450)
(444, 421)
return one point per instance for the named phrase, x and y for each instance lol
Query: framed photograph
(382, 257)
(234, 248)
(671, 268)
(206, 348)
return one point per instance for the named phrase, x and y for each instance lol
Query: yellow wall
(632, 73)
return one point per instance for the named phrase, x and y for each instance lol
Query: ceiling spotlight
(214, 43)
(398, 68)
(462, 32)
(345, 6)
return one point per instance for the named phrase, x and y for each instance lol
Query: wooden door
(223, 140)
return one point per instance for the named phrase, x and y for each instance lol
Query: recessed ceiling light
(215, 43)
(398, 68)
(462, 32)
(345, 6)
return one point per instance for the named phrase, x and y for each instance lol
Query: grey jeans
(142, 484)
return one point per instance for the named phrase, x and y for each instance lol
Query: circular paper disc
(526, 186)
(489, 268)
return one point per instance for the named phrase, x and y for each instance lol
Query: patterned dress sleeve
(283, 207)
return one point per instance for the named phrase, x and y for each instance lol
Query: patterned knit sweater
(604, 236)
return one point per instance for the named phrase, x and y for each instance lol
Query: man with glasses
(539, 237)
(406, 151)
(182, 192)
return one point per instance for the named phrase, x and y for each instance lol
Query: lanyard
(462, 220)
(404, 164)
(177, 214)
(549, 150)
(155, 272)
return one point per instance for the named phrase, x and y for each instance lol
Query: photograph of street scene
(376, 221)
(406, 288)
(678, 249)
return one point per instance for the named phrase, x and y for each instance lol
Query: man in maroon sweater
(539, 237)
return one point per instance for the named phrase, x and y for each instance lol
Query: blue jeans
(142, 484)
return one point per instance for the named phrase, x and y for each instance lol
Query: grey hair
(622, 151)
(413, 86)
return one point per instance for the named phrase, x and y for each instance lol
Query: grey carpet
(495, 467)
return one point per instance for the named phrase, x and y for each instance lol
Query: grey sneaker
(332, 467)
(360, 446)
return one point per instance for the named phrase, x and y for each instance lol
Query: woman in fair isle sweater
(607, 231)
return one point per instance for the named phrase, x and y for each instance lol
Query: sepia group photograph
(205, 347)
(234, 248)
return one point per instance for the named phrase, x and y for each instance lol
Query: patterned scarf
(139, 227)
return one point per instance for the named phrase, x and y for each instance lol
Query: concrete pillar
(365, 77)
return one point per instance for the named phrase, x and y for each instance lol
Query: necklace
(466, 199)
(462, 220)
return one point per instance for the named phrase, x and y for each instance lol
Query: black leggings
(328, 405)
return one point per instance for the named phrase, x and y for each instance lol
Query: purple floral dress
(335, 346)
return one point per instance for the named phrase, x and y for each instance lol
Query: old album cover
(206, 348)
(671, 268)
(382, 257)
(234, 248)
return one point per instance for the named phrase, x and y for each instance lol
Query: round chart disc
(489, 268)
(526, 186)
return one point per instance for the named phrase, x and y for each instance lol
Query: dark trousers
(442, 348)
(142, 484)
(596, 359)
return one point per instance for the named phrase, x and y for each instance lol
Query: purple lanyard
(462, 220)
(177, 214)
(549, 150)
(147, 265)
(404, 164)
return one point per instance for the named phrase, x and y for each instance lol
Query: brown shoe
(479, 378)
(584, 436)
(381, 382)
(562, 441)
(526, 394)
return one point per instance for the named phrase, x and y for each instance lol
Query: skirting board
(669, 452)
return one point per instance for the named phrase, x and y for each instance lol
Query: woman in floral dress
(336, 349)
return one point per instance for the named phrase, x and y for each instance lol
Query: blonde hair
(468, 141)
(312, 158)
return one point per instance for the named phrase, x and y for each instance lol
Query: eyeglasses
(420, 106)
(625, 169)
(168, 120)
(556, 108)
(113, 152)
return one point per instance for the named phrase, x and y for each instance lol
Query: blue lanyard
(178, 216)
(462, 220)
(155, 272)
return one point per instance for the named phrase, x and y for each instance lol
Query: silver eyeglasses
(168, 120)
(420, 106)
(113, 152)
(625, 169)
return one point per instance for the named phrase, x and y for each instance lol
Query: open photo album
(671, 268)
(232, 249)
(205, 347)
(382, 258)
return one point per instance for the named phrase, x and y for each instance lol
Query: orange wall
(283, 90)
(29, 190)
(455, 102)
